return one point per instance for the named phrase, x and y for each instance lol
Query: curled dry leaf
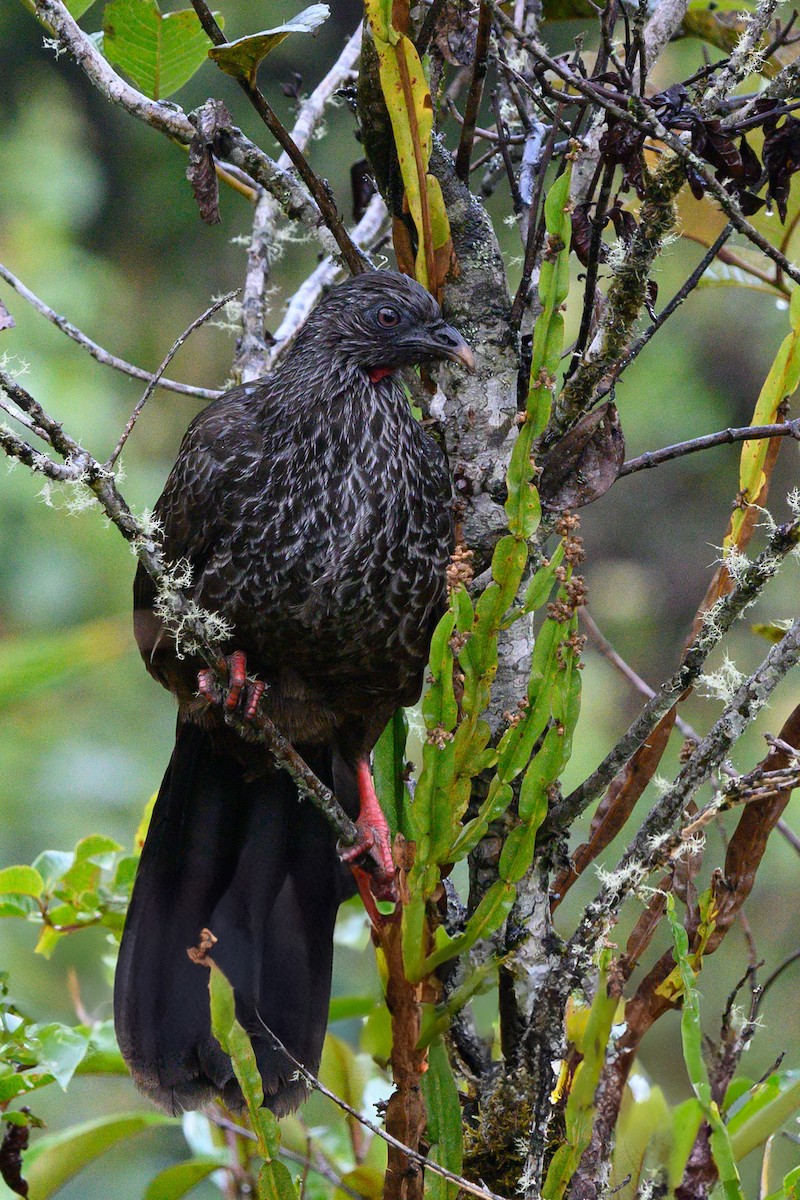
(585, 463)
(201, 171)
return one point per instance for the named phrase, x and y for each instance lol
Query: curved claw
(240, 692)
(372, 855)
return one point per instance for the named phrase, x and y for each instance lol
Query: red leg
(374, 842)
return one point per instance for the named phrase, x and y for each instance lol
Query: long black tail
(245, 859)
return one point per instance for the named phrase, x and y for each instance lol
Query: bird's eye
(388, 317)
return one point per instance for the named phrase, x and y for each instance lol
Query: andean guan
(314, 514)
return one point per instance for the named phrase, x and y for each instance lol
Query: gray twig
(657, 842)
(97, 352)
(173, 350)
(750, 584)
(746, 433)
(81, 467)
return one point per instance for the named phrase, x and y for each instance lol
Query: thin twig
(516, 199)
(173, 350)
(657, 842)
(683, 291)
(601, 643)
(746, 433)
(775, 976)
(464, 153)
(317, 1165)
(97, 352)
(81, 467)
(750, 584)
(473, 1188)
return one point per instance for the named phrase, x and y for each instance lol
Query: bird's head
(382, 321)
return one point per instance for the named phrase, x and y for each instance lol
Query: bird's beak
(447, 342)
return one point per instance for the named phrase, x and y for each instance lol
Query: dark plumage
(314, 513)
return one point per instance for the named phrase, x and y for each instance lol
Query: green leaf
(21, 881)
(488, 916)
(159, 51)
(48, 940)
(686, 1121)
(769, 1106)
(52, 865)
(274, 1180)
(61, 1049)
(388, 769)
(243, 57)
(444, 1122)
(52, 1161)
(176, 1181)
(345, 1008)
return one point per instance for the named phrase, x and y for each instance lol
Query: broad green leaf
(52, 865)
(769, 1106)
(21, 881)
(159, 51)
(388, 768)
(243, 57)
(176, 1181)
(97, 849)
(642, 1118)
(444, 1122)
(61, 1050)
(345, 1008)
(54, 1159)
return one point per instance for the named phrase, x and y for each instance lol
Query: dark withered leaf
(6, 319)
(585, 463)
(623, 146)
(582, 229)
(781, 158)
(15, 1140)
(362, 187)
(750, 203)
(720, 151)
(752, 167)
(623, 221)
(209, 120)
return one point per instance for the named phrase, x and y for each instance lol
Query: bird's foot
(371, 854)
(240, 692)
(372, 851)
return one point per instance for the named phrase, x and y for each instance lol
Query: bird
(311, 512)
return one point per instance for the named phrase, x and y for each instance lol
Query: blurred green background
(97, 218)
